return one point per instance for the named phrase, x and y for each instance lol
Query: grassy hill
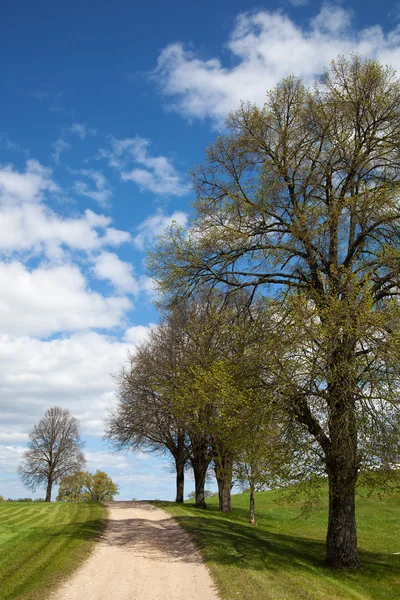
(282, 557)
(42, 543)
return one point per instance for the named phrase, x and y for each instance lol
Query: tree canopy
(298, 204)
(84, 486)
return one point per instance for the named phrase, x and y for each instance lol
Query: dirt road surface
(144, 555)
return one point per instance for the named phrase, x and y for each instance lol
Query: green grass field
(282, 557)
(42, 543)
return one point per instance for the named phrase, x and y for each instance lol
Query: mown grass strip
(282, 557)
(41, 544)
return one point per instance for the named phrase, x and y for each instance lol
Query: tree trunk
(200, 473)
(200, 459)
(251, 511)
(48, 491)
(342, 461)
(180, 478)
(223, 474)
(341, 540)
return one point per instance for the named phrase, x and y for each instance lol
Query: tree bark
(200, 459)
(48, 491)
(200, 472)
(223, 474)
(342, 461)
(251, 511)
(180, 478)
(341, 540)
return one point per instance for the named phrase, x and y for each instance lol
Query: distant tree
(54, 451)
(72, 488)
(2, 499)
(84, 486)
(101, 487)
(207, 494)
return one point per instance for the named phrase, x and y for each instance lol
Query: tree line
(277, 353)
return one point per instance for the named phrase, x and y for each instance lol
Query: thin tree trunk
(48, 491)
(223, 474)
(252, 502)
(180, 478)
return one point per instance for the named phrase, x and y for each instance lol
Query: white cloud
(28, 225)
(137, 334)
(46, 300)
(108, 266)
(266, 46)
(10, 456)
(37, 229)
(156, 225)
(73, 372)
(132, 158)
(332, 19)
(102, 192)
(103, 460)
(26, 187)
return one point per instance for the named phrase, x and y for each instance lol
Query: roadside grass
(42, 543)
(282, 557)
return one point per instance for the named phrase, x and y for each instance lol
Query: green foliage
(207, 494)
(87, 487)
(42, 543)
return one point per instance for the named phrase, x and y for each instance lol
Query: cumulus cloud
(138, 334)
(156, 225)
(73, 372)
(266, 46)
(26, 187)
(38, 229)
(134, 161)
(27, 224)
(110, 267)
(47, 300)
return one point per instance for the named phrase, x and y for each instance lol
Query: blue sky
(104, 108)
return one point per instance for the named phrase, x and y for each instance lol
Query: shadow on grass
(226, 541)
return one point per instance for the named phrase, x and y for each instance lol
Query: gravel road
(144, 555)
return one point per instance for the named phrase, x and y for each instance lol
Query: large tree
(300, 200)
(54, 450)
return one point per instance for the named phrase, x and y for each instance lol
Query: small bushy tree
(90, 487)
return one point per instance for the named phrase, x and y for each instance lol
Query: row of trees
(55, 455)
(194, 389)
(297, 217)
